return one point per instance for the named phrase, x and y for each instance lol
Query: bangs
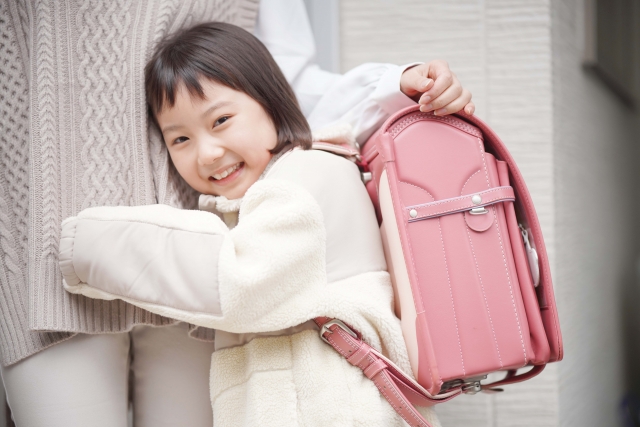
(181, 65)
(165, 83)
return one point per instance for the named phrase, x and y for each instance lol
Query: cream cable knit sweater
(74, 134)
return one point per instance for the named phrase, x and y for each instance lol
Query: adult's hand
(436, 88)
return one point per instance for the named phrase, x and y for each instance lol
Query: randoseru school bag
(467, 259)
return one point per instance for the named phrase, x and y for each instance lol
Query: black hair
(233, 57)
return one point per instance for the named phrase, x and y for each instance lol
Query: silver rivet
(413, 213)
(476, 199)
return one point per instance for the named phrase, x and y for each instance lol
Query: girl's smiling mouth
(228, 174)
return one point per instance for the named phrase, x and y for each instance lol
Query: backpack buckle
(478, 211)
(471, 387)
(338, 323)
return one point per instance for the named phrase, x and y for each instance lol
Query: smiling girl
(221, 139)
(299, 240)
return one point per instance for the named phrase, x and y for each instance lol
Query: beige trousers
(85, 381)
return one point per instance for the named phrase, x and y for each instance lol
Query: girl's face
(220, 144)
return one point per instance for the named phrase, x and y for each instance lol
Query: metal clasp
(338, 323)
(467, 386)
(472, 387)
(478, 211)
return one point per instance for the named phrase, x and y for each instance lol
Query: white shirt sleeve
(364, 97)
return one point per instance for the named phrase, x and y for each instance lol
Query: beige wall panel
(596, 157)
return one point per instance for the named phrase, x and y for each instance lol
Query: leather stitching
(456, 200)
(484, 295)
(410, 251)
(335, 345)
(374, 368)
(486, 303)
(358, 356)
(526, 199)
(347, 338)
(467, 181)
(513, 302)
(504, 258)
(484, 163)
(440, 202)
(407, 120)
(419, 188)
(411, 390)
(404, 412)
(366, 362)
(453, 306)
(547, 274)
(384, 159)
(413, 264)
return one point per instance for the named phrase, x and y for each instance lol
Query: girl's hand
(434, 86)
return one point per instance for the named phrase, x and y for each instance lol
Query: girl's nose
(209, 152)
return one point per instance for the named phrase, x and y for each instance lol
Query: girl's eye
(221, 120)
(180, 140)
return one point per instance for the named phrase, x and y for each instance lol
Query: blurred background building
(559, 81)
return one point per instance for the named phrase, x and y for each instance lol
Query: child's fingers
(462, 102)
(443, 79)
(415, 80)
(451, 93)
(420, 81)
(425, 85)
(470, 108)
(457, 105)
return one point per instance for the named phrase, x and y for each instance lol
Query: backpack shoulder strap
(401, 391)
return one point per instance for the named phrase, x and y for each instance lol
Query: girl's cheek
(185, 168)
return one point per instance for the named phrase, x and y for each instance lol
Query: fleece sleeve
(187, 265)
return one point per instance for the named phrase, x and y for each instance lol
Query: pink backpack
(468, 263)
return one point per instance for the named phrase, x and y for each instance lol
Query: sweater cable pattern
(75, 134)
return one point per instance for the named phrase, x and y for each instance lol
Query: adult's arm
(364, 96)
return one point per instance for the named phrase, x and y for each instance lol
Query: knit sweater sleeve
(189, 266)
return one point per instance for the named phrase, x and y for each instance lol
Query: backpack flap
(529, 219)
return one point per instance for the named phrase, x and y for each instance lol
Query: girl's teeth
(227, 172)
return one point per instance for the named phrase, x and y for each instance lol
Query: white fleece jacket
(306, 245)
